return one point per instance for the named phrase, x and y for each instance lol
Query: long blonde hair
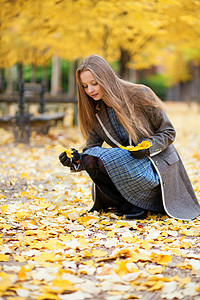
(127, 99)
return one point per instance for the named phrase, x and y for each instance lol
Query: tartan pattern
(134, 178)
(118, 127)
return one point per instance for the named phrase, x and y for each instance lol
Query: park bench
(36, 91)
(5, 121)
(23, 123)
(41, 123)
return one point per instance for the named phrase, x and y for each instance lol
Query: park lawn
(51, 248)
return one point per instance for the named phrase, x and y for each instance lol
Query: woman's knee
(89, 162)
(101, 166)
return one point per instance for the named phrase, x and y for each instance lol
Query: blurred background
(154, 42)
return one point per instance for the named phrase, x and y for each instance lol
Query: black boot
(97, 204)
(101, 201)
(131, 211)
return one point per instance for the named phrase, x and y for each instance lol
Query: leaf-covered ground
(51, 248)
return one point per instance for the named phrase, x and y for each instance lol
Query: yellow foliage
(99, 253)
(48, 295)
(60, 286)
(156, 270)
(197, 289)
(87, 255)
(4, 257)
(141, 146)
(5, 284)
(32, 33)
(122, 269)
(157, 286)
(161, 259)
(4, 208)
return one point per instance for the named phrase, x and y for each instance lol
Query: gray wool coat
(178, 196)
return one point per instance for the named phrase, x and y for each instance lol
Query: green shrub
(157, 83)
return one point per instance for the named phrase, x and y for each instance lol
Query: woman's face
(90, 85)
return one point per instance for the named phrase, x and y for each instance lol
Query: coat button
(157, 163)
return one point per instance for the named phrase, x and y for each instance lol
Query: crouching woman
(119, 113)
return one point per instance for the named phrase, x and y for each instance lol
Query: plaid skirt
(135, 179)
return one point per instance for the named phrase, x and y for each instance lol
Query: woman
(117, 112)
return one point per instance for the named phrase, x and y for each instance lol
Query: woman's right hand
(68, 162)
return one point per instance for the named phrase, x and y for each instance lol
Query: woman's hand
(68, 162)
(140, 153)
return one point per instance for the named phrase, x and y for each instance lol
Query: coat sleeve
(93, 140)
(163, 130)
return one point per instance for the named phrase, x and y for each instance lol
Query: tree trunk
(45, 78)
(72, 79)
(33, 74)
(55, 76)
(72, 92)
(20, 74)
(132, 75)
(105, 41)
(2, 80)
(9, 89)
(124, 59)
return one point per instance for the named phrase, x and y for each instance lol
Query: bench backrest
(33, 90)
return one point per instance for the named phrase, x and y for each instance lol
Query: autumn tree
(137, 33)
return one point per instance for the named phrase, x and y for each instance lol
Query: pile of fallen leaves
(52, 248)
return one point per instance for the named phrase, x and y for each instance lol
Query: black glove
(140, 153)
(68, 162)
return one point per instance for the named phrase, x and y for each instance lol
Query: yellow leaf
(60, 286)
(115, 293)
(24, 194)
(157, 286)
(83, 243)
(49, 296)
(97, 253)
(4, 257)
(176, 252)
(128, 239)
(156, 270)
(184, 265)
(46, 256)
(121, 224)
(66, 237)
(22, 214)
(19, 258)
(3, 207)
(111, 234)
(44, 205)
(61, 149)
(5, 284)
(86, 253)
(197, 289)
(6, 226)
(122, 269)
(2, 196)
(124, 253)
(22, 275)
(183, 281)
(161, 258)
(141, 146)
(137, 256)
(146, 245)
